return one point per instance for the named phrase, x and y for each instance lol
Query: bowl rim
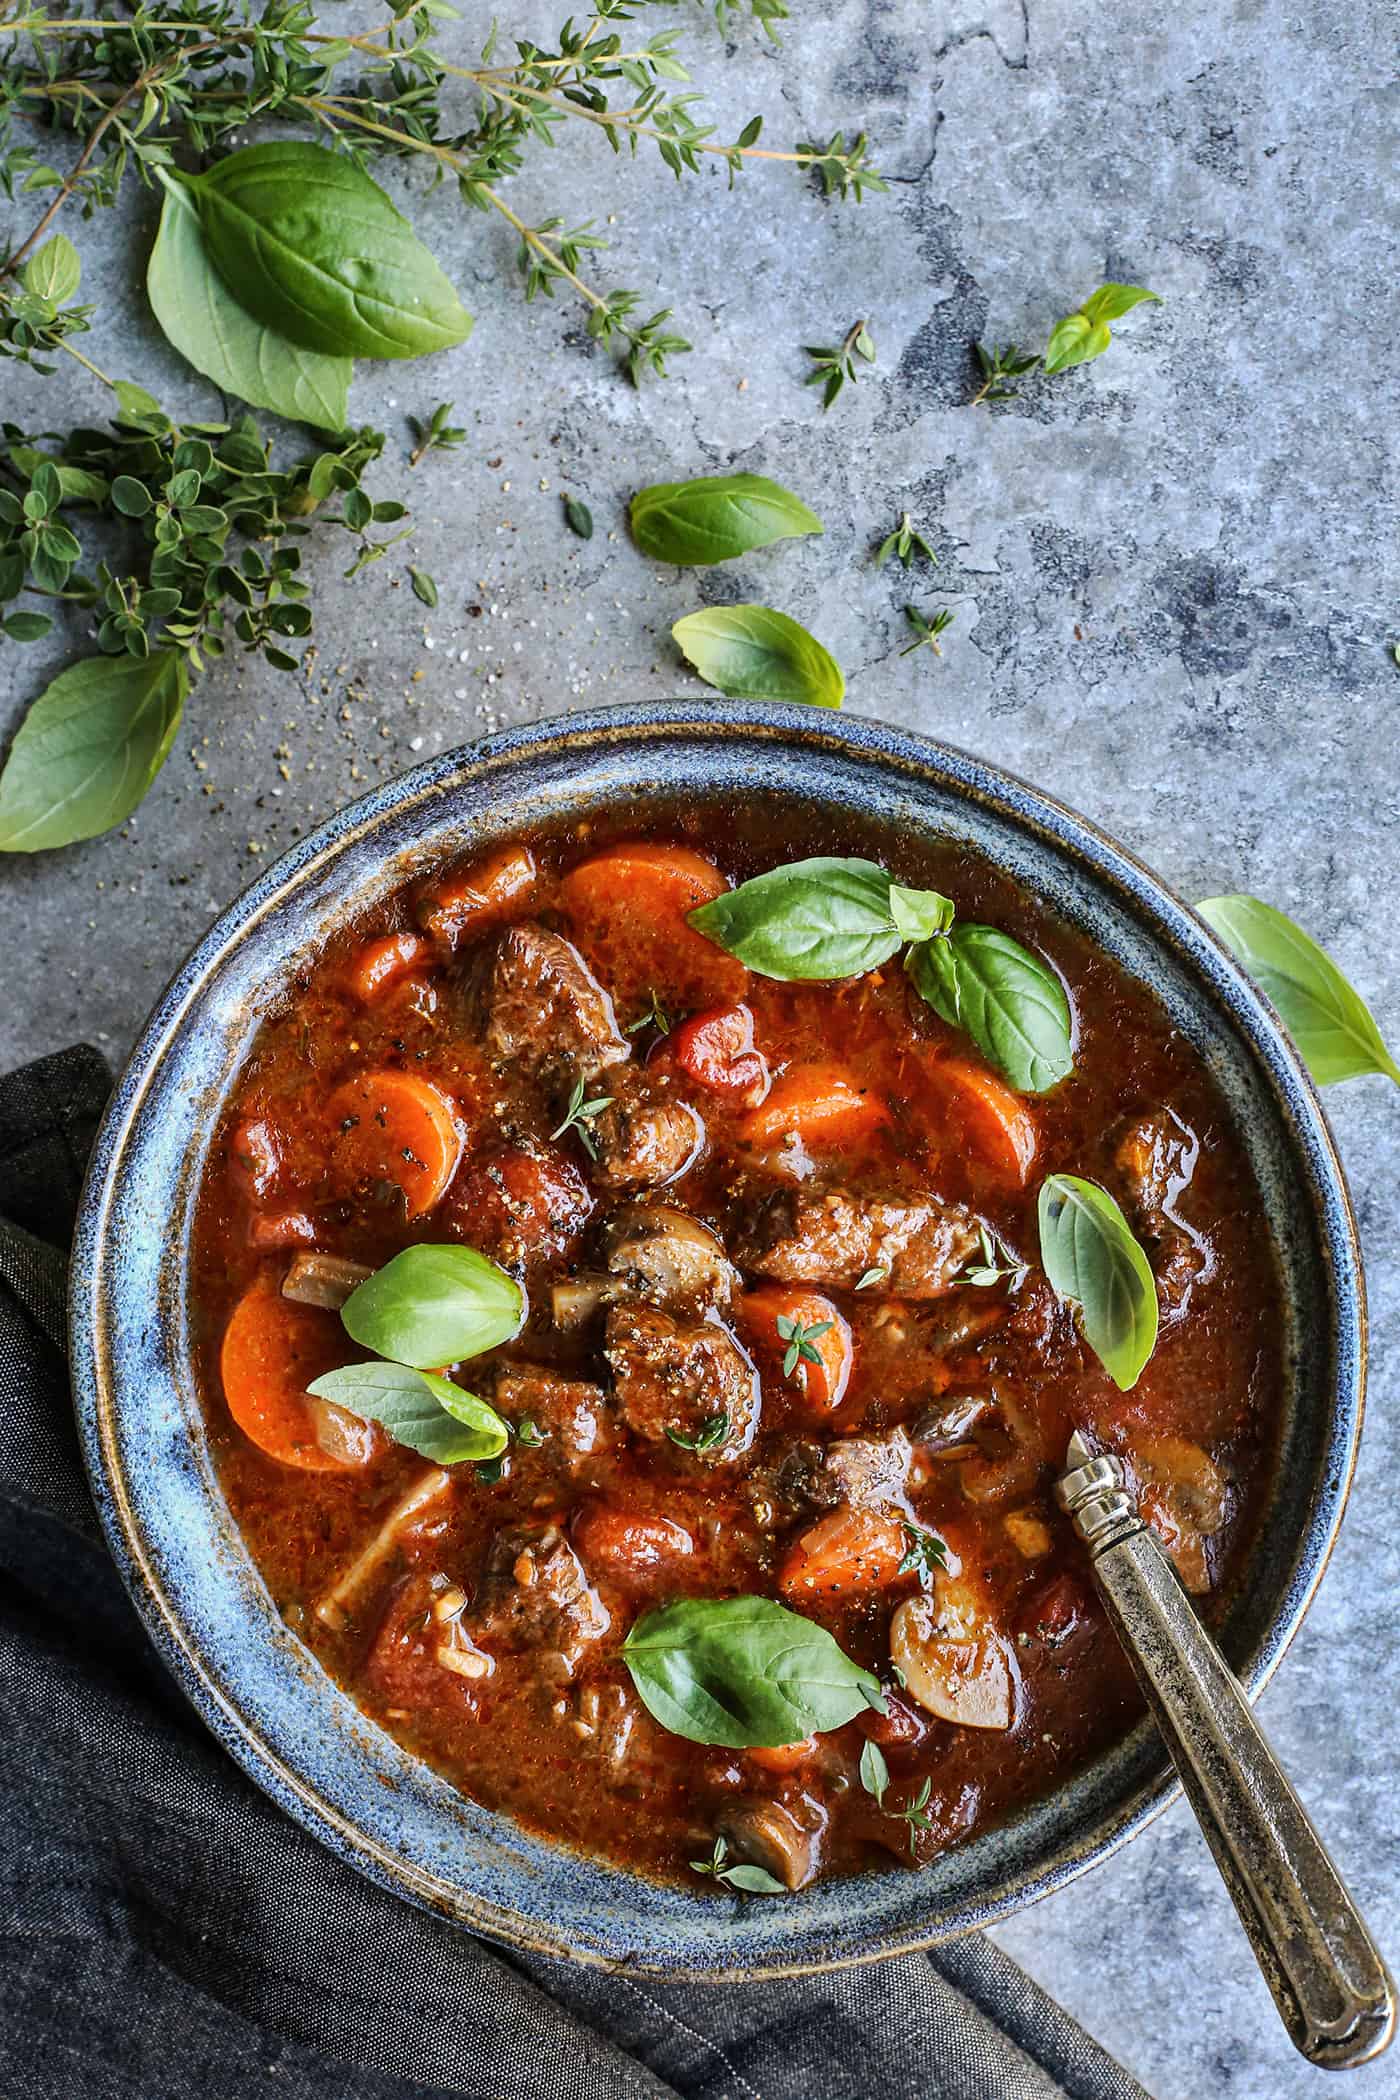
(1027, 808)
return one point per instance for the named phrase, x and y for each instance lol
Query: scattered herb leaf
(925, 1555)
(433, 1305)
(833, 367)
(1011, 1004)
(427, 1413)
(424, 588)
(751, 1881)
(1093, 1262)
(715, 518)
(906, 543)
(579, 1114)
(1003, 367)
(1334, 1029)
(874, 1772)
(1085, 333)
(578, 517)
(755, 653)
(711, 1433)
(927, 630)
(436, 435)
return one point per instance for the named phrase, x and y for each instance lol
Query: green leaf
(1085, 334)
(424, 588)
(239, 353)
(27, 626)
(55, 272)
(1111, 301)
(308, 244)
(138, 409)
(919, 914)
(1093, 1261)
(578, 517)
(743, 1672)
(874, 1772)
(89, 748)
(429, 1414)
(131, 497)
(754, 1881)
(434, 1305)
(758, 654)
(1330, 1022)
(1011, 1004)
(715, 518)
(812, 919)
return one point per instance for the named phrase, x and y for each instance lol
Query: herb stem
(80, 166)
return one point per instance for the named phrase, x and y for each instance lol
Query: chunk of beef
(545, 1013)
(665, 1255)
(871, 1472)
(799, 1481)
(421, 1656)
(648, 1135)
(1155, 1158)
(572, 1416)
(535, 1594)
(686, 1379)
(519, 1203)
(917, 1246)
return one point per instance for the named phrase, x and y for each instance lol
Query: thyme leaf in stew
(711, 1433)
(925, 1554)
(1011, 1004)
(434, 1305)
(801, 1341)
(874, 1772)
(1093, 1261)
(716, 517)
(579, 1114)
(743, 1672)
(752, 1881)
(1326, 1016)
(429, 1414)
(815, 919)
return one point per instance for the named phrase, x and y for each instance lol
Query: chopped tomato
(627, 908)
(272, 1350)
(784, 1757)
(900, 1731)
(628, 1546)
(818, 1104)
(716, 1049)
(459, 906)
(518, 1202)
(383, 962)
(282, 1228)
(964, 1105)
(810, 1324)
(394, 1127)
(254, 1157)
(851, 1550)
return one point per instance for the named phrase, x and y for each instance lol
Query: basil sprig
(1010, 1003)
(716, 517)
(743, 1672)
(821, 918)
(428, 1413)
(310, 245)
(434, 1305)
(755, 653)
(1092, 1260)
(1326, 1016)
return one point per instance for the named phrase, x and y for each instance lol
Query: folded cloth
(169, 1933)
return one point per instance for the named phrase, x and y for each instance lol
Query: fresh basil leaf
(716, 517)
(1111, 301)
(308, 244)
(54, 272)
(1085, 334)
(754, 653)
(919, 914)
(813, 919)
(743, 1672)
(89, 748)
(1010, 1003)
(241, 354)
(429, 1414)
(1092, 1259)
(434, 1305)
(1330, 1022)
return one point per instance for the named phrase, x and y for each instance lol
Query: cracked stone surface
(1176, 584)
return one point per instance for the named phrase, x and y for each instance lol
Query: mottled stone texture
(1175, 577)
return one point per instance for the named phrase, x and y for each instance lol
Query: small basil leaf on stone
(434, 1305)
(716, 517)
(1092, 1260)
(1326, 1016)
(755, 653)
(743, 1672)
(1010, 1003)
(311, 246)
(813, 919)
(1085, 334)
(429, 1414)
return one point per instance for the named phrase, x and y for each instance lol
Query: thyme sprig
(833, 367)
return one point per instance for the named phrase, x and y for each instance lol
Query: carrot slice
(783, 1757)
(627, 908)
(971, 1105)
(819, 1104)
(272, 1350)
(459, 906)
(822, 1384)
(381, 963)
(394, 1127)
(851, 1550)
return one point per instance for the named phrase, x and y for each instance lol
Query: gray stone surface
(1175, 577)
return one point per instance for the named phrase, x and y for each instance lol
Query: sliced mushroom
(666, 1255)
(950, 1429)
(347, 1438)
(323, 1279)
(1185, 1497)
(1011, 1453)
(951, 1660)
(575, 1300)
(785, 1840)
(332, 1608)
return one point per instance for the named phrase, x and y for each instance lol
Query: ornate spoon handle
(1329, 1982)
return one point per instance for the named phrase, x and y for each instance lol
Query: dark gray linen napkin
(167, 1934)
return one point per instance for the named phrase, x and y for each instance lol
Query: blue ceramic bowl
(184, 1561)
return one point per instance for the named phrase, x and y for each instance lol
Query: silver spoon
(1329, 1982)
